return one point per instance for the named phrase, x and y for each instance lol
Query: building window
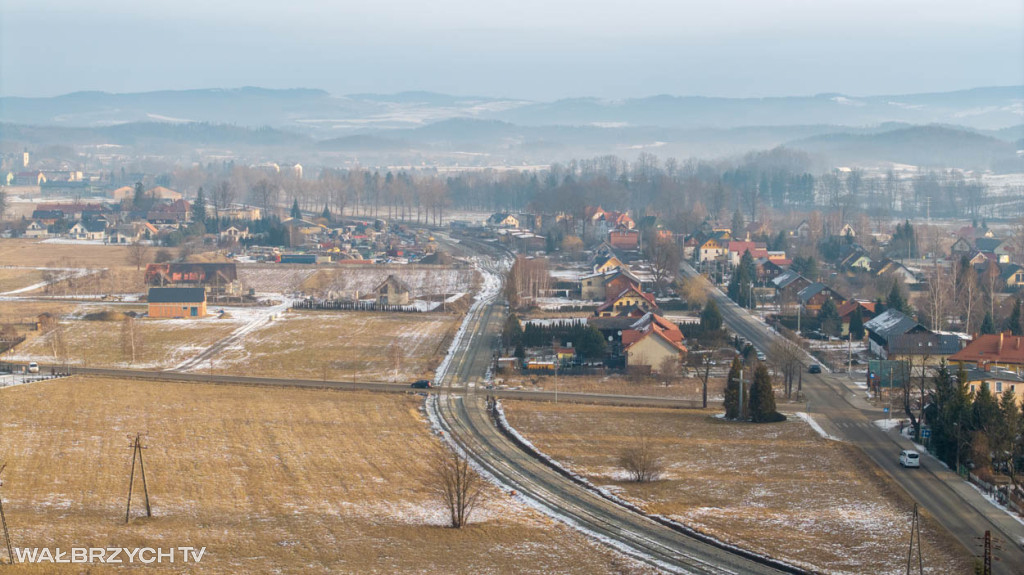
(999, 387)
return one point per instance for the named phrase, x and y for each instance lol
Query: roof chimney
(999, 349)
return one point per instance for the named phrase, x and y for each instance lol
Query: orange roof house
(651, 341)
(1001, 349)
(629, 299)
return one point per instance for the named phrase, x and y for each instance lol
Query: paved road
(466, 420)
(843, 413)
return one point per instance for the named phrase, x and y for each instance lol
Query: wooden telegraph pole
(915, 529)
(137, 448)
(3, 521)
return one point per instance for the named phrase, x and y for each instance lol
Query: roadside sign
(926, 433)
(885, 410)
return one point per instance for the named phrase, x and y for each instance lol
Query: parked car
(761, 356)
(910, 458)
(33, 367)
(421, 384)
(815, 368)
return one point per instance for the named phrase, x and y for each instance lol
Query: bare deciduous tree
(395, 355)
(527, 280)
(788, 360)
(937, 297)
(138, 254)
(641, 460)
(455, 483)
(223, 196)
(131, 338)
(59, 343)
(701, 361)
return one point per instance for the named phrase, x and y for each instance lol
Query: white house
(36, 230)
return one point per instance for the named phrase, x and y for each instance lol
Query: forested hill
(929, 146)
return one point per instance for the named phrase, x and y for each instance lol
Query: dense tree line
(983, 428)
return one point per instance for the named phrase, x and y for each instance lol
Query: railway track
(467, 422)
(463, 416)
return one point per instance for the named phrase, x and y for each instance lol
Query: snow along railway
(466, 422)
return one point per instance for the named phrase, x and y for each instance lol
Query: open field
(268, 480)
(342, 346)
(18, 278)
(349, 281)
(35, 253)
(26, 312)
(94, 343)
(653, 386)
(780, 489)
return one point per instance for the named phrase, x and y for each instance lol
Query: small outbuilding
(393, 291)
(177, 302)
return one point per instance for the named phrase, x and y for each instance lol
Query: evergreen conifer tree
(857, 324)
(199, 207)
(987, 325)
(762, 397)
(732, 390)
(710, 317)
(1014, 321)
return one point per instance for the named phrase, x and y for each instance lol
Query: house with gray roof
(884, 328)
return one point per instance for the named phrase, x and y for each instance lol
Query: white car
(33, 367)
(910, 458)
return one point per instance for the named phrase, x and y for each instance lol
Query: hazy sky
(539, 49)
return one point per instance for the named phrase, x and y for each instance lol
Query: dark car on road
(815, 368)
(421, 384)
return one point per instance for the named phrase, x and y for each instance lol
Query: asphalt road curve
(941, 493)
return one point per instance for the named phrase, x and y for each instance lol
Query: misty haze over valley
(538, 287)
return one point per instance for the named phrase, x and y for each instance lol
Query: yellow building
(999, 382)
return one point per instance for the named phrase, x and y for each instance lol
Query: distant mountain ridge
(928, 146)
(317, 112)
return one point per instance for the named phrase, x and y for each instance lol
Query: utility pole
(849, 355)
(3, 521)
(137, 448)
(741, 405)
(915, 528)
(890, 391)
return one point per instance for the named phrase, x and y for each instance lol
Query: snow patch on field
(814, 425)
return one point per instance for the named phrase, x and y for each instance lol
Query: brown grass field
(347, 344)
(17, 278)
(24, 312)
(268, 480)
(166, 342)
(32, 253)
(780, 489)
(652, 386)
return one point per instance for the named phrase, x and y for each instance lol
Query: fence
(344, 305)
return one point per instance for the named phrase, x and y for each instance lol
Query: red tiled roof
(632, 336)
(847, 307)
(995, 348)
(611, 301)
